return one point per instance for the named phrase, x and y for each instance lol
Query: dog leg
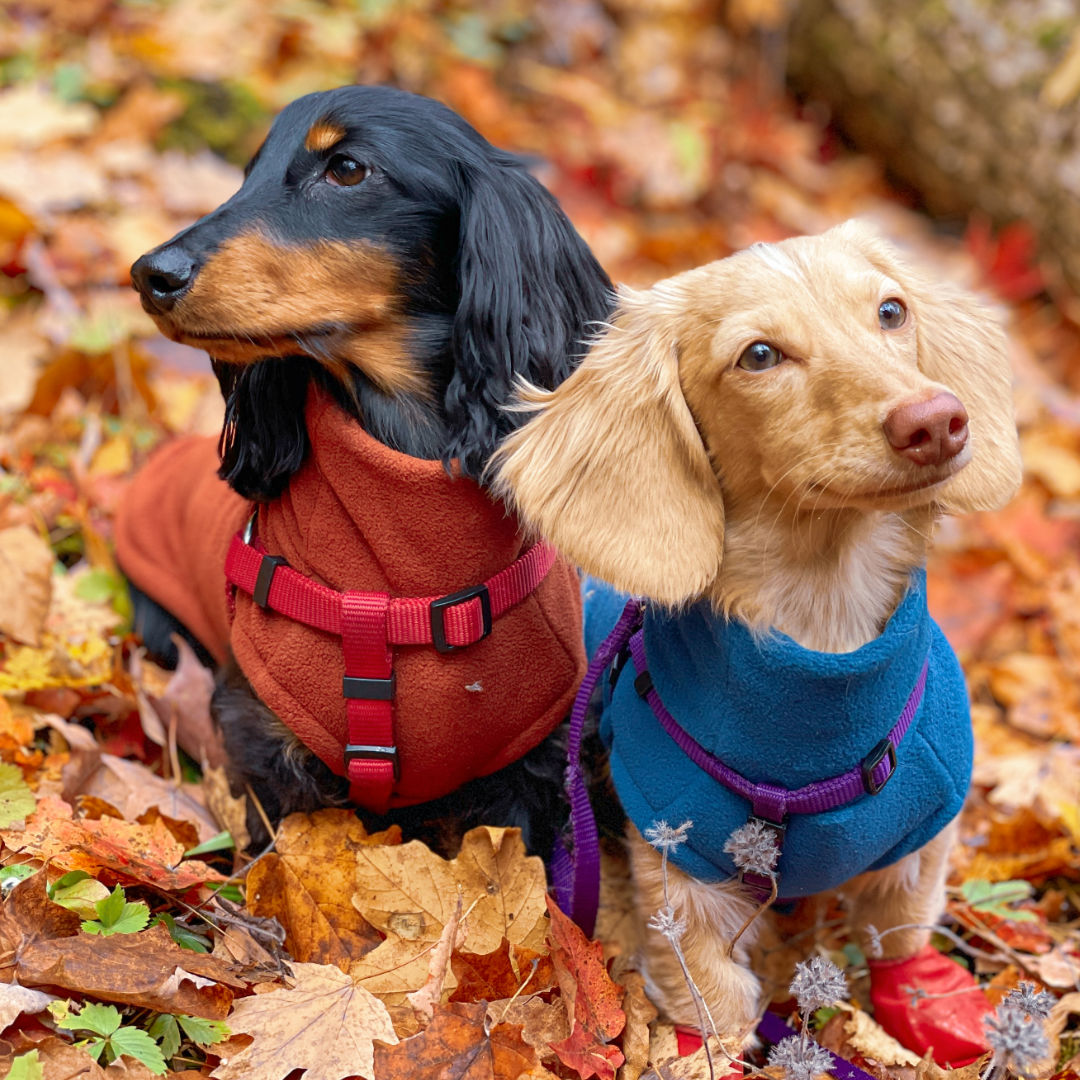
(713, 914)
(921, 997)
(265, 759)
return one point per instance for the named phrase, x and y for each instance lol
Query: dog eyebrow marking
(323, 134)
(777, 260)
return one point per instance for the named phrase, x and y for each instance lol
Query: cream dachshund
(760, 448)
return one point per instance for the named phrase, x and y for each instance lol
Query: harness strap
(370, 624)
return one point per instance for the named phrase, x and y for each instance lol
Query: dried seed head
(1019, 1044)
(800, 1057)
(1030, 1000)
(663, 837)
(753, 847)
(665, 922)
(818, 982)
(873, 942)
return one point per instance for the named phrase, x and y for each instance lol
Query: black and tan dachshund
(383, 250)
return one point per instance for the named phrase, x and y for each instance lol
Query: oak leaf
(324, 1024)
(597, 1015)
(457, 1045)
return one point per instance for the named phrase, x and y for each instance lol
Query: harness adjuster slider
(438, 616)
(373, 753)
(643, 684)
(884, 749)
(265, 578)
(369, 689)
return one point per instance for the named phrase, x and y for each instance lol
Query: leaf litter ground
(338, 953)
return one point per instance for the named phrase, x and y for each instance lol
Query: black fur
(495, 284)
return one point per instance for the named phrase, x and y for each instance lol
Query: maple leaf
(501, 973)
(325, 1024)
(597, 1013)
(308, 883)
(411, 892)
(457, 1045)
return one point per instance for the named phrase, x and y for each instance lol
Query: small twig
(260, 811)
(510, 1001)
(759, 910)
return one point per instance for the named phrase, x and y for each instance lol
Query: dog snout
(928, 432)
(162, 276)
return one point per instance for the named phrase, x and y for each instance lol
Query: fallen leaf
(325, 1024)
(28, 915)
(456, 1045)
(542, 1022)
(410, 892)
(307, 886)
(597, 1014)
(16, 1000)
(146, 969)
(640, 1013)
(501, 973)
(25, 584)
(429, 995)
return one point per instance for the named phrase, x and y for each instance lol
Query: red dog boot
(950, 1026)
(689, 1041)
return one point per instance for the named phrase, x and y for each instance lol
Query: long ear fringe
(530, 292)
(264, 439)
(963, 346)
(611, 468)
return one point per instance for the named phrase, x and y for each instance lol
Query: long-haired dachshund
(760, 447)
(367, 298)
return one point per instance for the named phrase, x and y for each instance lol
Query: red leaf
(597, 1015)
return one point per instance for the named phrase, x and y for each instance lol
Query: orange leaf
(455, 1046)
(597, 1013)
(500, 973)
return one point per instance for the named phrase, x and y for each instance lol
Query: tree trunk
(971, 102)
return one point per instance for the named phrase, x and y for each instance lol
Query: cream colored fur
(664, 468)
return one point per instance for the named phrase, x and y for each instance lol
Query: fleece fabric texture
(778, 713)
(361, 516)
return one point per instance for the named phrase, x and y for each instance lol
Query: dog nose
(162, 276)
(928, 432)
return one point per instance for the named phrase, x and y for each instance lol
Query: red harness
(370, 624)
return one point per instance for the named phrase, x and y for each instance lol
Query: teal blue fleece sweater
(778, 713)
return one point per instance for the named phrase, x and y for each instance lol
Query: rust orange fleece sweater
(361, 516)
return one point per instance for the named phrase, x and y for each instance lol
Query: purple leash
(773, 1030)
(576, 877)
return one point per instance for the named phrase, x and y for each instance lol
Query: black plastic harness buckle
(438, 616)
(265, 578)
(378, 753)
(883, 750)
(369, 689)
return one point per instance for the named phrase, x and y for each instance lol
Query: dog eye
(760, 357)
(892, 315)
(346, 171)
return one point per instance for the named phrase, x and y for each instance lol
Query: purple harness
(576, 878)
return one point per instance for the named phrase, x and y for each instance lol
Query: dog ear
(963, 346)
(529, 288)
(264, 439)
(612, 469)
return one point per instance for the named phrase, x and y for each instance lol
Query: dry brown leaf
(640, 1013)
(25, 584)
(325, 1023)
(147, 969)
(229, 812)
(396, 969)
(410, 892)
(458, 1045)
(15, 1000)
(542, 1023)
(308, 883)
(430, 994)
